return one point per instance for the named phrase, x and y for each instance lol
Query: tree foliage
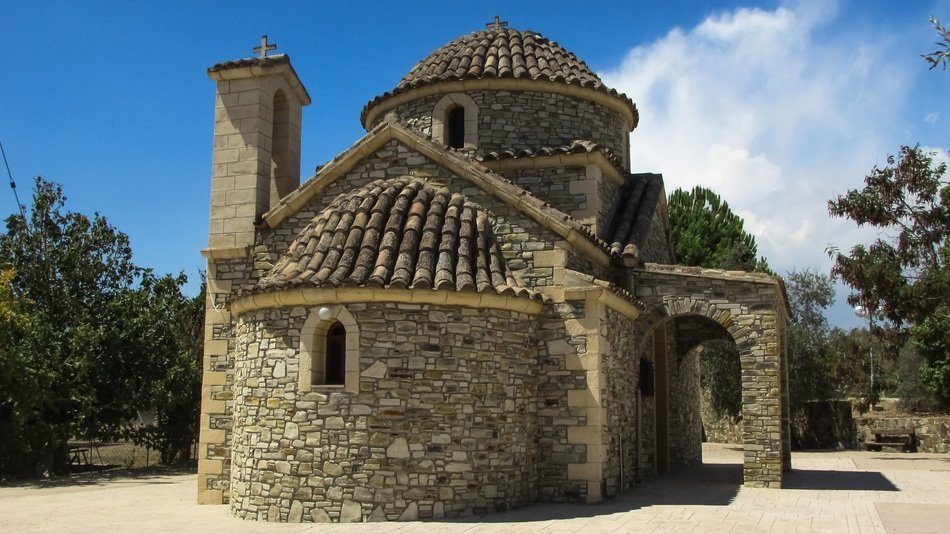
(102, 337)
(706, 233)
(810, 293)
(941, 56)
(904, 275)
(721, 374)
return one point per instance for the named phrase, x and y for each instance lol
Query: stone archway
(752, 309)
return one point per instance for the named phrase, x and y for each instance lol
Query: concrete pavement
(827, 492)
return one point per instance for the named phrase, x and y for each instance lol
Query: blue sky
(776, 105)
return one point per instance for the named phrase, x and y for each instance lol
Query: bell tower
(257, 120)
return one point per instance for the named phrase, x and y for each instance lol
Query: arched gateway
(689, 305)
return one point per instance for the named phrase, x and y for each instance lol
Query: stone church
(473, 308)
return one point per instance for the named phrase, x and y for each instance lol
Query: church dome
(500, 53)
(398, 233)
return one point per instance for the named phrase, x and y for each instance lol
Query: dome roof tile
(500, 53)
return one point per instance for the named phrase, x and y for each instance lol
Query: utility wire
(13, 184)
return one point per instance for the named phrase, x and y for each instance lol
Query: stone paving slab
(828, 492)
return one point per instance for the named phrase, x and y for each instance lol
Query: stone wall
(529, 120)
(656, 247)
(931, 433)
(553, 185)
(686, 424)
(445, 423)
(622, 369)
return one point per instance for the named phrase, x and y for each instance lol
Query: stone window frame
(313, 345)
(440, 119)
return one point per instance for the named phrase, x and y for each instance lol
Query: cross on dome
(496, 24)
(265, 48)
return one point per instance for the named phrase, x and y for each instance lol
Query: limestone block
(296, 512)
(398, 449)
(377, 370)
(377, 516)
(411, 513)
(362, 494)
(291, 431)
(332, 469)
(318, 515)
(351, 512)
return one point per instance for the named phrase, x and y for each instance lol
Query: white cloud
(777, 111)
(931, 118)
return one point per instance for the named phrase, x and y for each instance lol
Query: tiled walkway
(827, 492)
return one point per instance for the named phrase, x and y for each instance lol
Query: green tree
(809, 293)
(171, 328)
(905, 275)
(101, 339)
(706, 233)
(721, 374)
(22, 432)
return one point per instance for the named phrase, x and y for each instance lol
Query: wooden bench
(897, 438)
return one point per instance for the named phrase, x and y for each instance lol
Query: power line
(13, 184)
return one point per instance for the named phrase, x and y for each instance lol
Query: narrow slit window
(457, 127)
(647, 386)
(336, 355)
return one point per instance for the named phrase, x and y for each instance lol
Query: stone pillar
(593, 433)
(758, 340)
(662, 356)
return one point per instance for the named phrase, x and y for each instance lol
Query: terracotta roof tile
(500, 53)
(403, 232)
(578, 146)
(633, 212)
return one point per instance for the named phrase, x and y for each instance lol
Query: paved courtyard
(827, 492)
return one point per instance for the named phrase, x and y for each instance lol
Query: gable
(393, 150)
(519, 235)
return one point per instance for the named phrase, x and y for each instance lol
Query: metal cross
(496, 24)
(265, 48)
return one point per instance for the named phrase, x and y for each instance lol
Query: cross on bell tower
(265, 48)
(496, 24)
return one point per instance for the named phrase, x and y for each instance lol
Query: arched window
(455, 121)
(329, 350)
(336, 355)
(456, 127)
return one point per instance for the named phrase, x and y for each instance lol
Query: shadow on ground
(702, 485)
(806, 479)
(152, 475)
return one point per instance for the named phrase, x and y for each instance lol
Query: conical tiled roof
(501, 53)
(398, 233)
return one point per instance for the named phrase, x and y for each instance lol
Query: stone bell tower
(256, 142)
(256, 163)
